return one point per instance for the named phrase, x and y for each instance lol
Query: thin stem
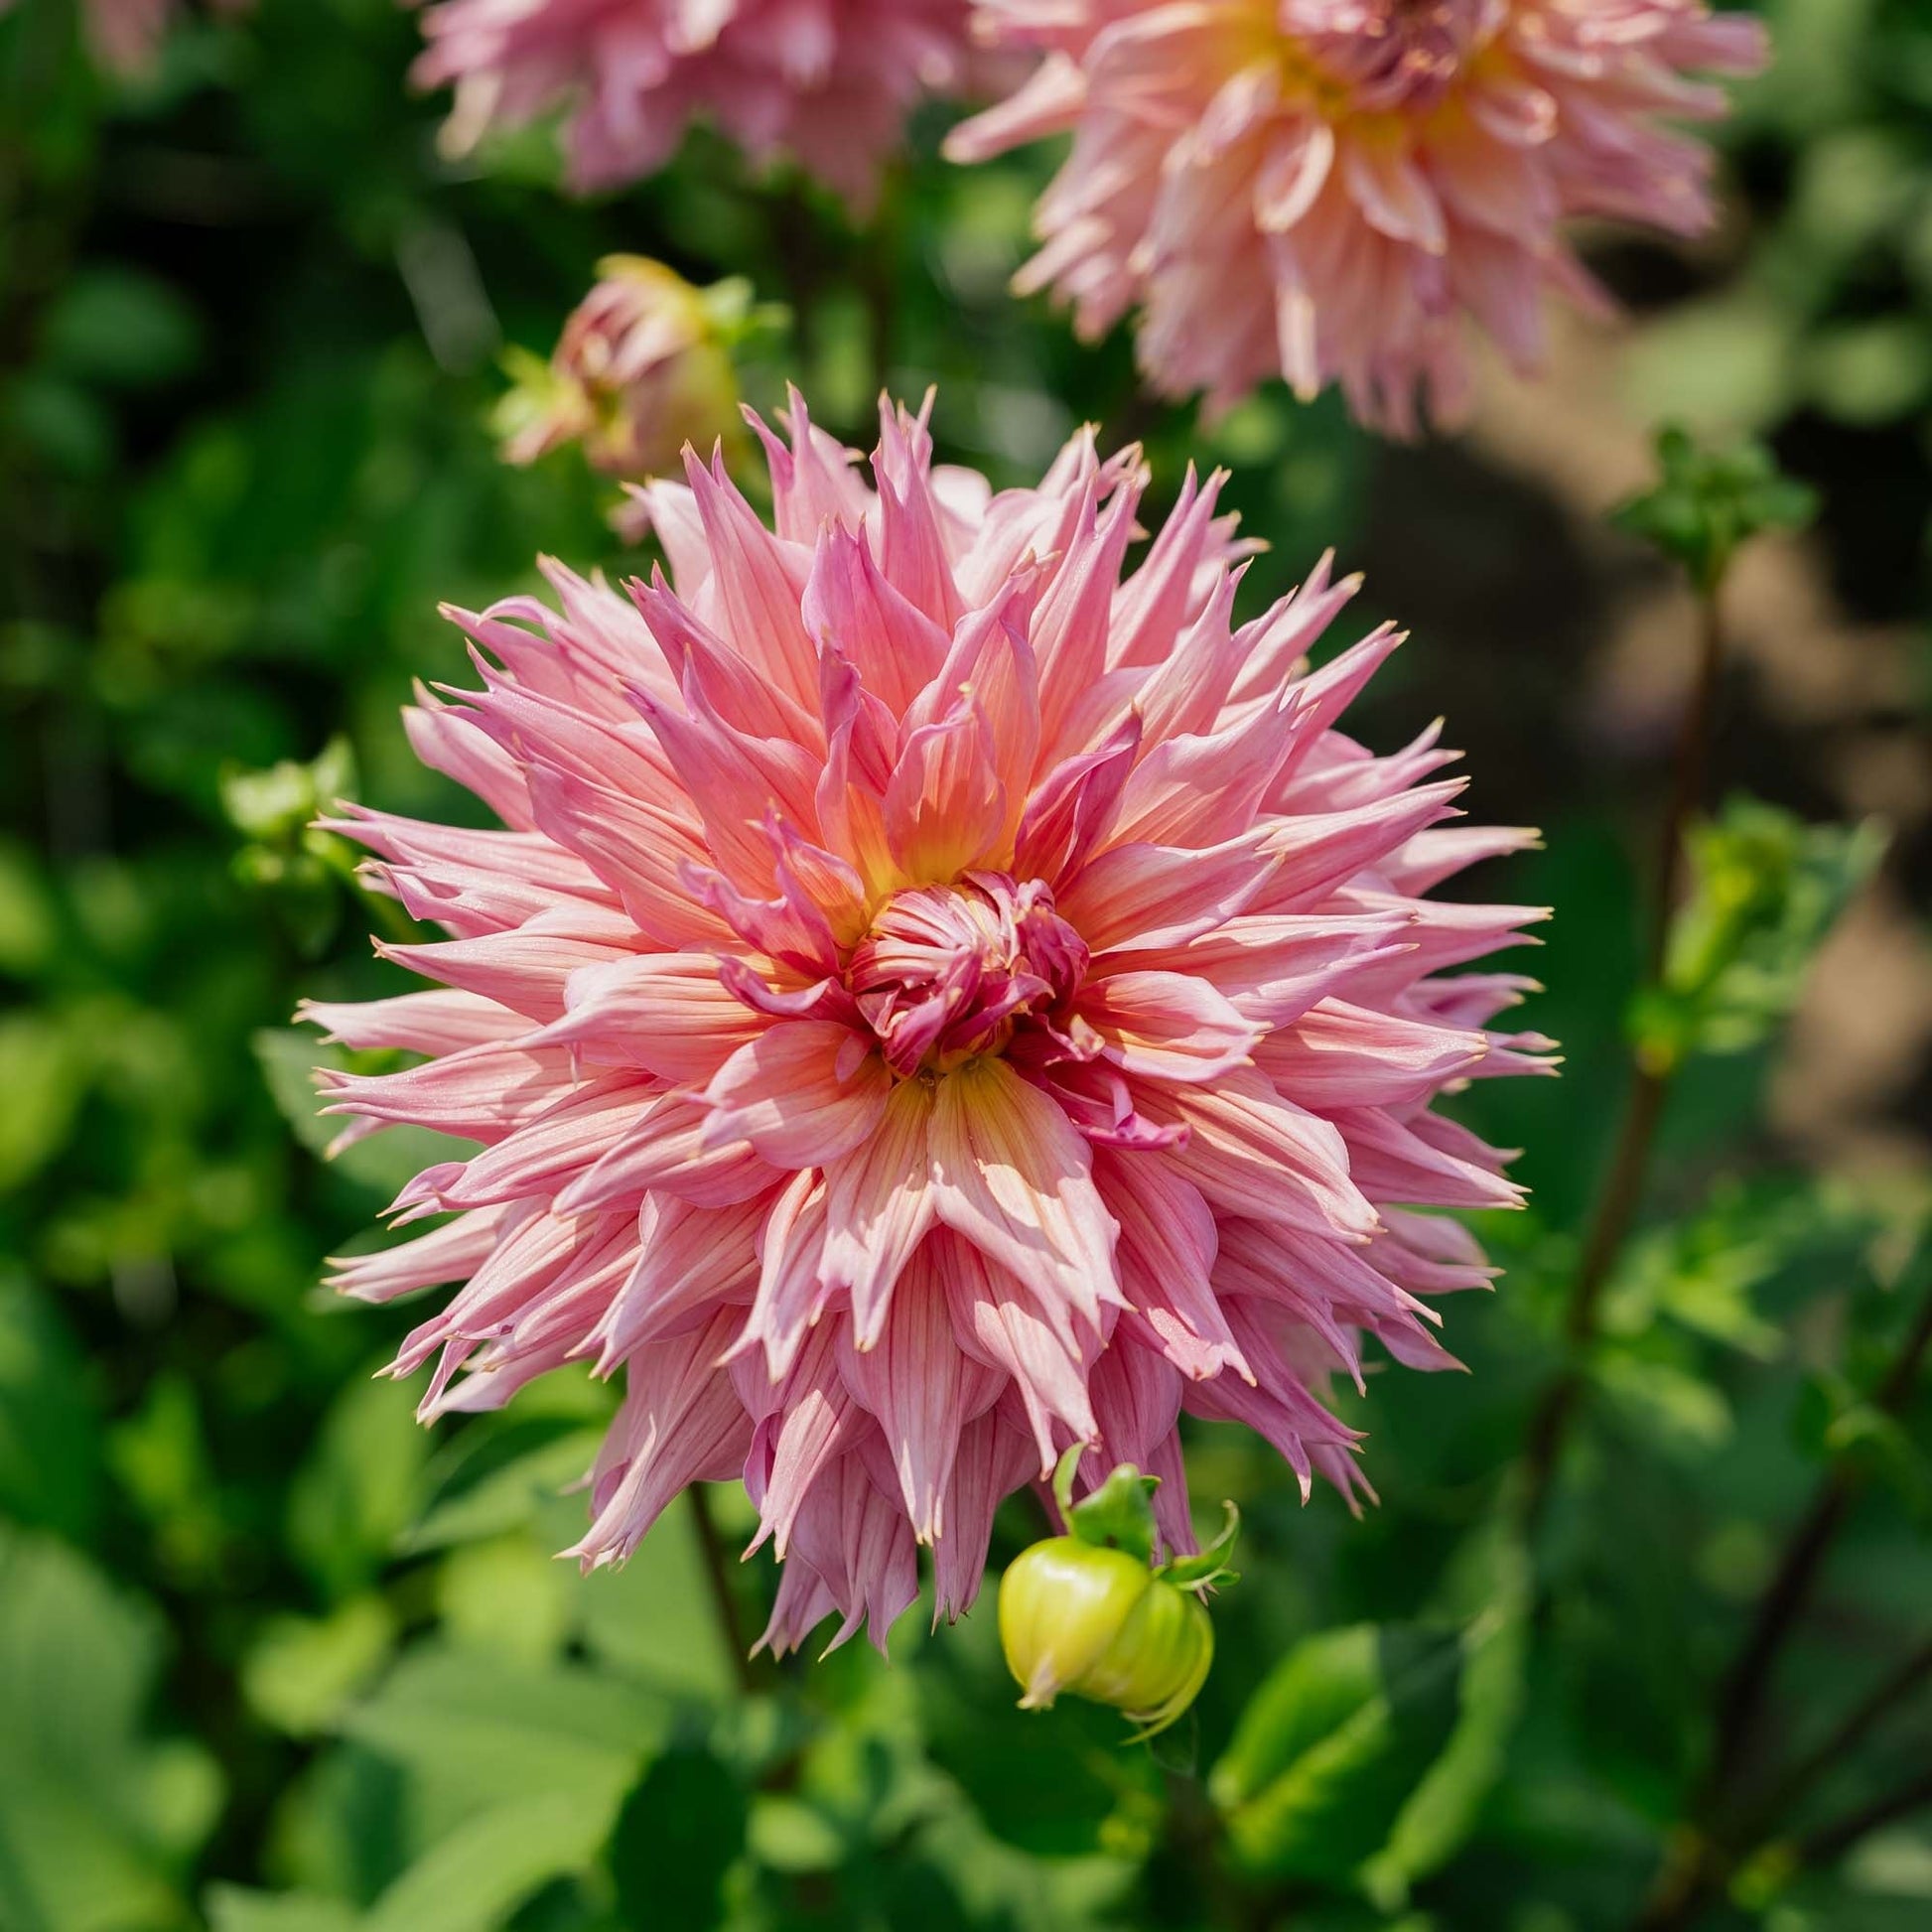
(1688, 777)
(1831, 1842)
(1741, 1705)
(1622, 1195)
(1691, 1875)
(1886, 1696)
(718, 1573)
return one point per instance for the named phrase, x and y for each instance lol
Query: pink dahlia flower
(1330, 187)
(124, 36)
(936, 998)
(829, 81)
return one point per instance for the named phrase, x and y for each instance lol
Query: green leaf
(119, 328)
(356, 1495)
(1445, 1805)
(97, 1821)
(44, 1076)
(302, 1671)
(1709, 501)
(50, 1440)
(277, 804)
(231, 1908)
(1765, 890)
(480, 1726)
(1333, 1747)
(679, 1832)
(475, 1878)
(508, 1496)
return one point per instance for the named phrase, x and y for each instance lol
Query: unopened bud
(644, 367)
(1089, 1613)
(1099, 1623)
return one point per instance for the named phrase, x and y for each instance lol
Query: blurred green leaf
(1765, 890)
(474, 1880)
(277, 804)
(120, 328)
(49, 1439)
(680, 1831)
(302, 1672)
(505, 1494)
(356, 1495)
(43, 1074)
(1445, 1805)
(97, 1819)
(230, 1908)
(1332, 1747)
(28, 929)
(485, 1725)
(1711, 501)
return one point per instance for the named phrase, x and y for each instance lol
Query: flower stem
(1622, 1190)
(1691, 1878)
(1885, 1697)
(711, 1546)
(1831, 1842)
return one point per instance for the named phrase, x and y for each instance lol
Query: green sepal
(1118, 1515)
(1208, 1570)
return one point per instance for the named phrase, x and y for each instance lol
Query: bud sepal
(1092, 1613)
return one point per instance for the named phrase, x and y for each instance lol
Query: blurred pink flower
(643, 367)
(829, 81)
(1328, 188)
(936, 998)
(125, 36)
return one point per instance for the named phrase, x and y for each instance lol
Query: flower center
(1391, 54)
(947, 971)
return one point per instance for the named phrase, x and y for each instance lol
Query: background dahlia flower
(1330, 187)
(124, 36)
(829, 81)
(937, 997)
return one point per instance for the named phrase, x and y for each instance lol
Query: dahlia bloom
(829, 81)
(124, 36)
(1330, 187)
(643, 367)
(934, 999)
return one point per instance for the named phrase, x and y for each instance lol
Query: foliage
(273, 1659)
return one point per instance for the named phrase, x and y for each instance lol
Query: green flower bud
(1096, 1621)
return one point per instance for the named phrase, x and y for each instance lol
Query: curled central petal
(947, 971)
(1391, 54)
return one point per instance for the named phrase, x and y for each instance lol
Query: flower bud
(1082, 1617)
(643, 367)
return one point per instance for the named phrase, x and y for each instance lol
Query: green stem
(724, 1600)
(1707, 1852)
(1622, 1195)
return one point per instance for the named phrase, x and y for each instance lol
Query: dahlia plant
(827, 82)
(1334, 190)
(937, 997)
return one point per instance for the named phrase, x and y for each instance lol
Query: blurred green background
(273, 1659)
